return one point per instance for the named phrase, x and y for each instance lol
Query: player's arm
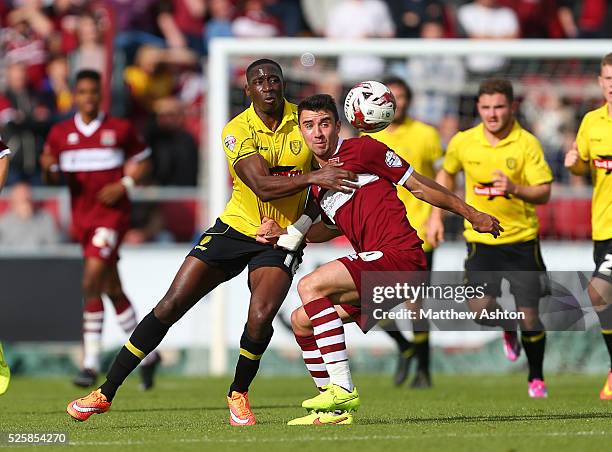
(135, 170)
(435, 224)
(435, 194)
(534, 194)
(270, 233)
(49, 162)
(254, 172)
(321, 232)
(574, 162)
(4, 164)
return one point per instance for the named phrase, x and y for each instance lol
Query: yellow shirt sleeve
(435, 145)
(537, 170)
(238, 143)
(452, 159)
(582, 140)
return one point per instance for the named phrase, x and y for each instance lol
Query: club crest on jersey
(295, 146)
(230, 142)
(108, 138)
(510, 163)
(487, 189)
(604, 162)
(392, 160)
(73, 138)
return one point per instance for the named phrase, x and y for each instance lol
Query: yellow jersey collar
(604, 113)
(288, 115)
(512, 136)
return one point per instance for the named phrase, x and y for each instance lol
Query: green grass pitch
(461, 413)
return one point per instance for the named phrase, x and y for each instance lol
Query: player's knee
(531, 322)
(91, 287)
(300, 323)
(597, 299)
(168, 310)
(262, 317)
(308, 288)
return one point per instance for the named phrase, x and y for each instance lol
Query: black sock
(248, 362)
(605, 320)
(421, 345)
(145, 338)
(534, 343)
(390, 327)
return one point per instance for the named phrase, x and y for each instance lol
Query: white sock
(92, 347)
(340, 375)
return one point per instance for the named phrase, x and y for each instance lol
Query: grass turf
(460, 413)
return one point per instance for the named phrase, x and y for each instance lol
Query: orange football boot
(606, 392)
(94, 403)
(240, 409)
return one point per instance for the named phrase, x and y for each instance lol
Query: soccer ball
(369, 106)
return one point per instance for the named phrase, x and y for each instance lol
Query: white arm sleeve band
(295, 234)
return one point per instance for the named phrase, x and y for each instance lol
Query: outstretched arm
(435, 194)
(4, 165)
(254, 172)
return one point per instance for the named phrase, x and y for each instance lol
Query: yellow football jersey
(520, 157)
(286, 154)
(418, 144)
(594, 142)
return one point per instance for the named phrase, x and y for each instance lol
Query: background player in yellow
(270, 167)
(505, 176)
(593, 151)
(419, 144)
(5, 372)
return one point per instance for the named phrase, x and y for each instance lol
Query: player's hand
(332, 177)
(435, 230)
(572, 156)
(503, 183)
(47, 161)
(486, 224)
(269, 232)
(111, 193)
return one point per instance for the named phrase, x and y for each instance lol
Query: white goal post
(223, 51)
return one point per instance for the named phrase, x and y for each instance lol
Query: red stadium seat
(571, 219)
(182, 218)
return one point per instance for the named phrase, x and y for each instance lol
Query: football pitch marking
(340, 438)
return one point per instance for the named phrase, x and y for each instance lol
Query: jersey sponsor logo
(230, 142)
(473, 162)
(287, 171)
(295, 146)
(91, 159)
(604, 162)
(510, 163)
(334, 160)
(108, 138)
(73, 138)
(392, 160)
(487, 189)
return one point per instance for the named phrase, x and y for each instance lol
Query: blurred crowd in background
(152, 54)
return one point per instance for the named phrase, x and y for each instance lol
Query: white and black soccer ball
(369, 106)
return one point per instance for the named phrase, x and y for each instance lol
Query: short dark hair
(607, 60)
(393, 80)
(319, 102)
(261, 62)
(497, 86)
(89, 74)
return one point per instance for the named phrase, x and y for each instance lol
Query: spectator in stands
(90, 52)
(586, 18)
(254, 21)
(288, 13)
(358, 19)
(316, 13)
(535, 18)
(174, 151)
(219, 24)
(27, 125)
(437, 82)
(64, 17)
(485, 19)
(22, 42)
(24, 226)
(136, 25)
(57, 86)
(410, 15)
(148, 224)
(182, 23)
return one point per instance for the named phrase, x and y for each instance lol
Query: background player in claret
(419, 144)
(271, 171)
(5, 372)
(593, 151)
(374, 220)
(101, 158)
(505, 175)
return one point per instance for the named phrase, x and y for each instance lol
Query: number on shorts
(606, 266)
